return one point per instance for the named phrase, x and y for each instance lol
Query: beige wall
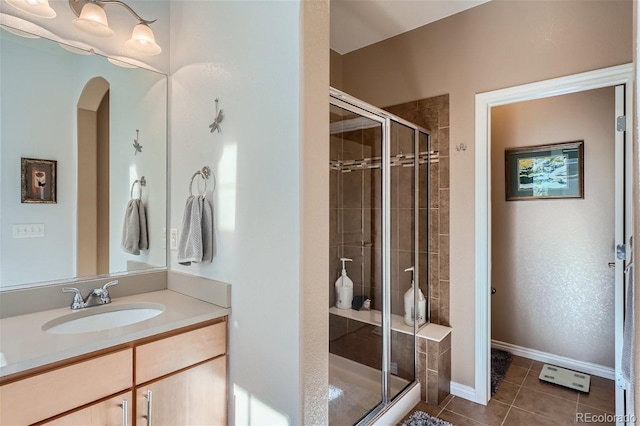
(498, 44)
(336, 70)
(555, 292)
(314, 195)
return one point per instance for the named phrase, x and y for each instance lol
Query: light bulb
(143, 41)
(93, 20)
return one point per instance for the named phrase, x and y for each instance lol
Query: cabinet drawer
(165, 356)
(37, 398)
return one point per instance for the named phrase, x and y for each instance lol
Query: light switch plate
(174, 239)
(28, 230)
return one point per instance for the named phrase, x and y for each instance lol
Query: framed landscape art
(545, 171)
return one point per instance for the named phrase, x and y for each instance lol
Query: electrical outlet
(174, 239)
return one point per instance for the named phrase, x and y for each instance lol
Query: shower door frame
(349, 103)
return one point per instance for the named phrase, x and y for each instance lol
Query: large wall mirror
(104, 126)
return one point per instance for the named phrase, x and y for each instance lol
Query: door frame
(606, 77)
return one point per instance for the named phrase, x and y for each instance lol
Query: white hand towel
(134, 229)
(196, 237)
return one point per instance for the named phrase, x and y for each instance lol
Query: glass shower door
(355, 334)
(403, 258)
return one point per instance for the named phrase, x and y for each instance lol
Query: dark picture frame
(545, 171)
(39, 181)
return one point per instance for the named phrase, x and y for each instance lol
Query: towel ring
(142, 181)
(204, 174)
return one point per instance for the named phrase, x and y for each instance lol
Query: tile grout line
(514, 398)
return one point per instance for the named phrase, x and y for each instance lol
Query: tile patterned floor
(522, 399)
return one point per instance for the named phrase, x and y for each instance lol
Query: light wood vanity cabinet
(184, 372)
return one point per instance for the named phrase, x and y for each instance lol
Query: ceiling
(359, 23)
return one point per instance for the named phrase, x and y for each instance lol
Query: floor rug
(420, 418)
(500, 361)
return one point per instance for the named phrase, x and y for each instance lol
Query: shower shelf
(428, 331)
(403, 160)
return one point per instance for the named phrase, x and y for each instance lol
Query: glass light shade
(39, 8)
(18, 32)
(93, 20)
(77, 49)
(120, 63)
(143, 41)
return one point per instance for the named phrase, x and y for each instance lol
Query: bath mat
(420, 418)
(500, 361)
(567, 378)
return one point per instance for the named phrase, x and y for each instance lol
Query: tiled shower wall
(355, 211)
(356, 202)
(433, 115)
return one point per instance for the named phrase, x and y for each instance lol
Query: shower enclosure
(379, 201)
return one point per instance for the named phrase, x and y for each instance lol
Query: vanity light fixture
(93, 20)
(39, 8)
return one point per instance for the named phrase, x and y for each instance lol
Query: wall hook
(217, 120)
(461, 147)
(136, 145)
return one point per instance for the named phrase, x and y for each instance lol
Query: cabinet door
(196, 396)
(116, 411)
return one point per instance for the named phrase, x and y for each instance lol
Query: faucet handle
(104, 293)
(110, 284)
(77, 303)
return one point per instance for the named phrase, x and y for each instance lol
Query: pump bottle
(409, 305)
(344, 288)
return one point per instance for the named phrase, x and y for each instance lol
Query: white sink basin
(103, 318)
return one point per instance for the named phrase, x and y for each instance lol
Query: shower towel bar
(142, 181)
(205, 173)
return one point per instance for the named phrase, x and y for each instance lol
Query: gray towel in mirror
(134, 229)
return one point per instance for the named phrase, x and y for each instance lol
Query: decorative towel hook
(136, 145)
(217, 120)
(461, 147)
(205, 173)
(142, 181)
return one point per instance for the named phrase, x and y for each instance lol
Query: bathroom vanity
(169, 369)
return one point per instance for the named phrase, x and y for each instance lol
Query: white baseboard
(560, 361)
(464, 392)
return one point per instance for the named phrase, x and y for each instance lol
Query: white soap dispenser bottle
(344, 287)
(409, 308)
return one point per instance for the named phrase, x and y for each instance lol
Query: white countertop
(428, 331)
(25, 345)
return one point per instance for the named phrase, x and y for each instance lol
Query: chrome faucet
(97, 296)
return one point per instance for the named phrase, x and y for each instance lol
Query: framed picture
(38, 181)
(545, 171)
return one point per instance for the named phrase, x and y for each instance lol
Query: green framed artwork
(545, 171)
